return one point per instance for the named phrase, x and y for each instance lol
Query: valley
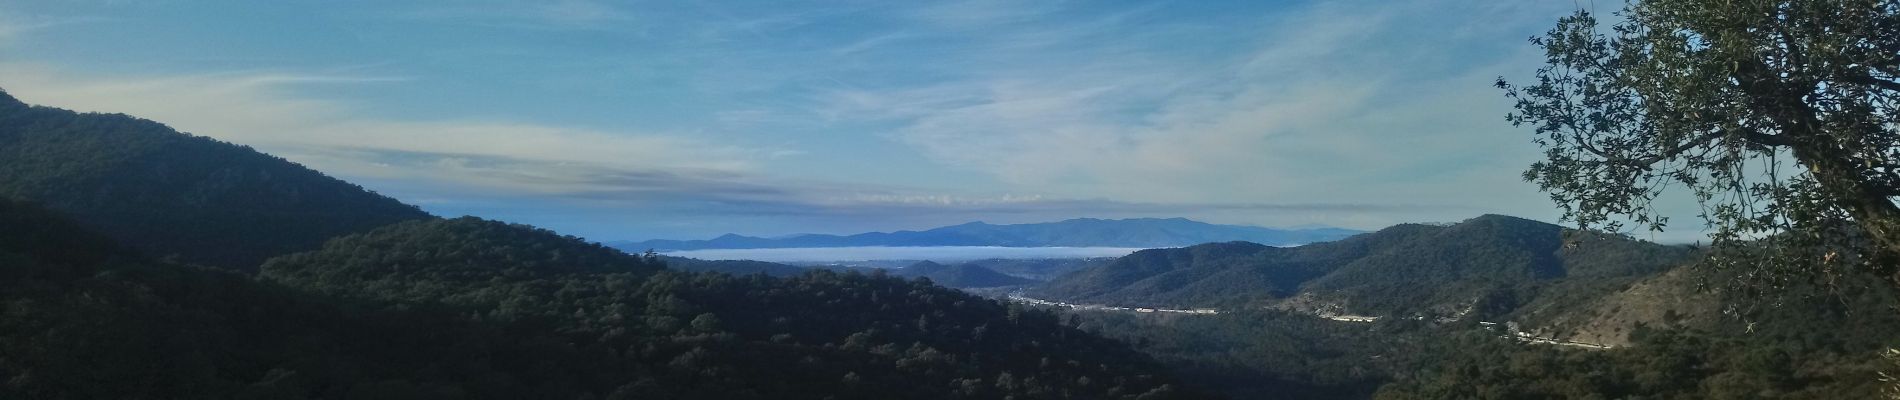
(950, 200)
(1373, 314)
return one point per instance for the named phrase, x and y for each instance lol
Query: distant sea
(933, 253)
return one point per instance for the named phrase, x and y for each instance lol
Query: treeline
(467, 308)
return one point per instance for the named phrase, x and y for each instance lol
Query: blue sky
(635, 120)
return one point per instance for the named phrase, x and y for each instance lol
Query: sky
(630, 120)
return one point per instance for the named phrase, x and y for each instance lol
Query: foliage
(466, 308)
(1813, 347)
(1042, 269)
(966, 275)
(168, 193)
(673, 335)
(1779, 116)
(1662, 364)
(1200, 275)
(1264, 354)
(735, 267)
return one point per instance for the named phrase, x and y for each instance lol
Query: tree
(706, 323)
(1779, 116)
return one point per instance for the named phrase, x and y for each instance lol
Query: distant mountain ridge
(1079, 232)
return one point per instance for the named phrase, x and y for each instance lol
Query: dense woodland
(172, 194)
(735, 267)
(700, 335)
(1043, 269)
(962, 275)
(1265, 354)
(466, 308)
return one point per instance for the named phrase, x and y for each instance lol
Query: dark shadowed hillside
(735, 267)
(465, 308)
(1197, 275)
(1041, 269)
(963, 275)
(85, 319)
(165, 192)
(423, 261)
(681, 335)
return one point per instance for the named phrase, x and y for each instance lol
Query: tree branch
(1751, 135)
(1864, 79)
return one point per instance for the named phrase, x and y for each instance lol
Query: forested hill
(1452, 265)
(735, 267)
(1410, 267)
(86, 319)
(649, 334)
(437, 315)
(1080, 232)
(963, 275)
(432, 260)
(169, 193)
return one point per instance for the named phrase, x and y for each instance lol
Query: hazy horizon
(879, 253)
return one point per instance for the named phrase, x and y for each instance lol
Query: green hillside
(169, 193)
(427, 316)
(735, 267)
(964, 275)
(1404, 268)
(1444, 269)
(719, 336)
(84, 319)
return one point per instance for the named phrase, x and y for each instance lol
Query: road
(1018, 297)
(1526, 337)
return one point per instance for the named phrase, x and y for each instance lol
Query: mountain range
(1080, 232)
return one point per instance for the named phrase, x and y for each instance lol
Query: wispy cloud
(263, 110)
(453, 164)
(1308, 112)
(537, 15)
(15, 26)
(984, 13)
